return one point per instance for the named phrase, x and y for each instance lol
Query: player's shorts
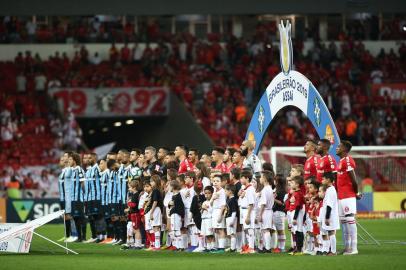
(105, 209)
(188, 220)
(215, 217)
(176, 222)
(299, 221)
(231, 225)
(347, 206)
(135, 219)
(157, 219)
(243, 215)
(78, 209)
(279, 220)
(114, 209)
(266, 219)
(207, 227)
(93, 208)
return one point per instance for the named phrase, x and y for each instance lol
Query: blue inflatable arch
(292, 89)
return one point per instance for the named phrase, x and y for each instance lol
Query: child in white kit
(329, 217)
(218, 202)
(247, 215)
(207, 212)
(231, 217)
(266, 202)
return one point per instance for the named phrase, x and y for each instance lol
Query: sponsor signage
(389, 201)
(21, 211)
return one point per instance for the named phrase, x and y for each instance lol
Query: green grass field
(390, 255)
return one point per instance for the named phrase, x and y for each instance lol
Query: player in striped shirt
(92, 187)
(123, 174)
(77, 199)
(64, 195)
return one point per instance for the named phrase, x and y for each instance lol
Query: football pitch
(390, 255)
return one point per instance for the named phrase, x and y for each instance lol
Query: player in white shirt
(207, 225)
(329, 217)
(266, 202)
(251, 160)
(218, 202)
(247, 215)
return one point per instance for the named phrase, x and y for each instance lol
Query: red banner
(114, 102)
(396, 91)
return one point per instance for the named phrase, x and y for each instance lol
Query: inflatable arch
(291, 88)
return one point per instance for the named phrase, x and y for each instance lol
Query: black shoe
(98, 241)
(125, 247)
(319, 253)
(268, 250)
(78, 240)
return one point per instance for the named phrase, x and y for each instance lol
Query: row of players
(239, 206)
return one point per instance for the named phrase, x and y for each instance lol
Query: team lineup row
(229, 201)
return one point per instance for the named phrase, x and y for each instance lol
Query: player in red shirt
(193, 156)
(227, 159)
(184, 164)
(347, 189)
(327, 163)
(238, 159)
(217, 155)
(310, 167)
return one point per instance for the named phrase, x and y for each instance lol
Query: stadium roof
(175, 7)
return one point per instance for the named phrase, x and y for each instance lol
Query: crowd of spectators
(87, 29)
(221, 84)
(29, 182)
